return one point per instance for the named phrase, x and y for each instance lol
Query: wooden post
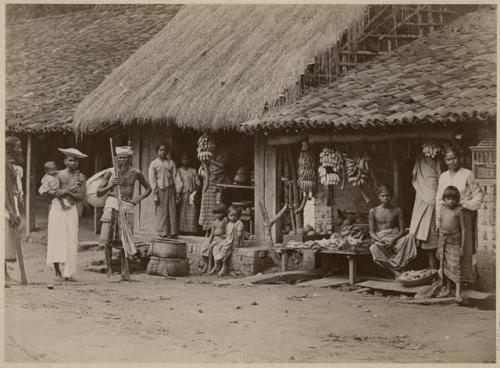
(260, 189)
(352, 269)
(395, 169)
(30, 187)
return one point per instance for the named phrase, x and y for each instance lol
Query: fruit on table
(311, 233)
(308, 228)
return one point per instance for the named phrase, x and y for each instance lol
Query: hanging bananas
(357, 170)
(332, 167)
(206, 148)
(306, 169)
(430, 149)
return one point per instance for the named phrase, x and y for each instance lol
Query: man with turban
(110, 225)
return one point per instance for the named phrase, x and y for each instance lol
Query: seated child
(234, 239)
(217, 233)
(50, 184)
(451, 242)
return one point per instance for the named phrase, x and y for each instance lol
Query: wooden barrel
(168, 248)
(177, 267)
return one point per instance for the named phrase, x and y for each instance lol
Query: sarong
(187, 215)
(11, 242)
(470, 220)
(397, 258)
(217, 240)
(208, 202)
(449, 250)
(166, 217)
(110, 227)
(225, 248)
(62, 242)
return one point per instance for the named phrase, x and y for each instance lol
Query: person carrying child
(451, 242)
(50, 184)
(217, 235)
(234, 239)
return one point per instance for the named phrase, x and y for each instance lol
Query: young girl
(188, 221)
(216, 236)
(234, 238)
(451, 242)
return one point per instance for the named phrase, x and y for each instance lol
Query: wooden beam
(259, 173)
(394, 158)
(30, 186)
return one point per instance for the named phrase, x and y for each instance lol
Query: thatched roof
(54, 61)
(448, 76)
(215, 66)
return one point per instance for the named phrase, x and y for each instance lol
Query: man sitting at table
(392, 249)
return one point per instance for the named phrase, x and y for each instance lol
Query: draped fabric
(397, 258)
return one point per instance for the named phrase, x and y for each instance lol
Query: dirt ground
(188, 320)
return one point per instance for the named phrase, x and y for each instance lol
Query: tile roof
(447, 76)
(54, 62)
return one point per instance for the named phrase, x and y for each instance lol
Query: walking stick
(20, 259)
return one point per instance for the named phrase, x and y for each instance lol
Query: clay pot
(242, 176)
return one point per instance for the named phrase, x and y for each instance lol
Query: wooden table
(351, 257)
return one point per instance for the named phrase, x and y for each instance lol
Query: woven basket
(177, 267)
(417, 282)
(168, 248)
(157, 266)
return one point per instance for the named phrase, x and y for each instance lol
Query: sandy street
(154, 319)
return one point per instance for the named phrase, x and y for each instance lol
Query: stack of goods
(430, 149)
(306, 170)
(332, 167)
(168, 258)
(206, 148)
(352, 238)
(357, 170)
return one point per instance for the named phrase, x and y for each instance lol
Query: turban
(124, 151)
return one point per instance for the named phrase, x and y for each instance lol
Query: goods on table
(357, 170)
(430, 149)
(354, 238)
(415, 278)
(306, 169)
(206, 148)
(332, 167)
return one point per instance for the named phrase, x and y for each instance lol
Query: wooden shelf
(235, 186)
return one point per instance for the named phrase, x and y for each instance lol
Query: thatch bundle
(215, 66)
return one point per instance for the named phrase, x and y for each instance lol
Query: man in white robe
(62, 244)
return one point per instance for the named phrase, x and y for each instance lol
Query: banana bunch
(357, 170)
(306, 170)
(430, 149)
(206, 148)
(355, 232)
(332, 166)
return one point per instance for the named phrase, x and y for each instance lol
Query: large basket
(177, 267)
(417, 282)
(157, 266)
(168, 248)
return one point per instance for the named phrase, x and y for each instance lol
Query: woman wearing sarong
(423, 219)
(471, 198)
(188, 222)
(212, 174)
(392, 249)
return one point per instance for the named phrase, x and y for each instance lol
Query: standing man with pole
(120, 203)
(13, 250)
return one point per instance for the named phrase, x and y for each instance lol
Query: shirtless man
(62, 237)
(391, 249)
(127, 177)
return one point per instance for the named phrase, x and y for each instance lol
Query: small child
(234, 239)
(451, 242)
(217, 233)
(50, 183)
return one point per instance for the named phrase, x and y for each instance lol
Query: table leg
(352, 269)
(284, 260)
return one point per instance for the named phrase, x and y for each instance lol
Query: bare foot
(458, 298)
(443, 293)
(213, 270)
(69, 279)
(222, 272)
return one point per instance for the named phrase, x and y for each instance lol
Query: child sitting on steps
(217, 233)
(222, 251)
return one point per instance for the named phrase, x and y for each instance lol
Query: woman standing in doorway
(471, 198)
